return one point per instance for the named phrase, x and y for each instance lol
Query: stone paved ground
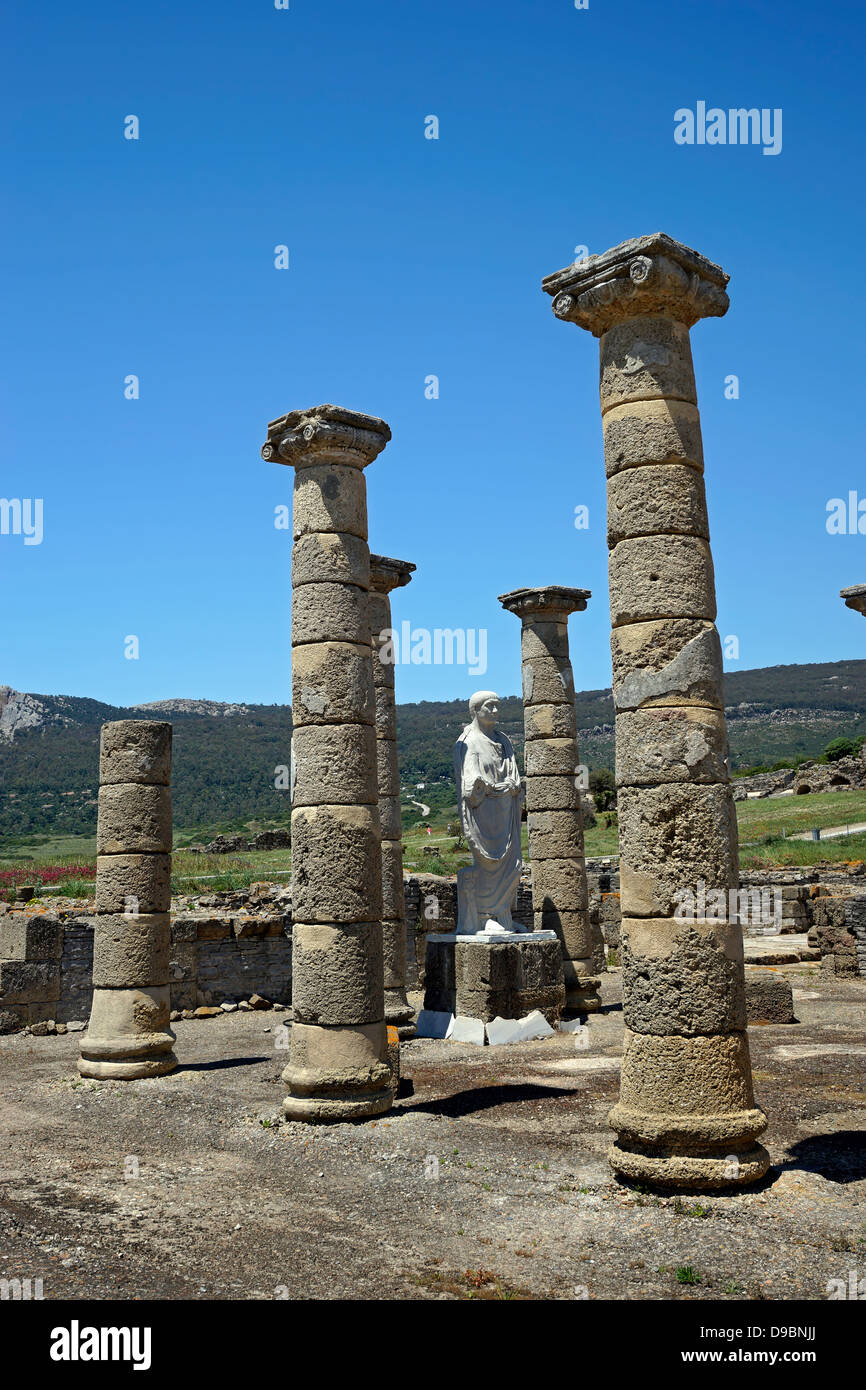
(232, 1203)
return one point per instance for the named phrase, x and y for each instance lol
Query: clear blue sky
(408, 257)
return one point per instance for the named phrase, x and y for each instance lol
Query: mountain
(227, 756)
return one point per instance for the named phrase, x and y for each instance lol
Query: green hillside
(225, 764)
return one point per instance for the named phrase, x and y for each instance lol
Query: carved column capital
(646, 275)
(325, 434)
(550, 603)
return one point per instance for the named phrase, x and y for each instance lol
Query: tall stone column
(128, 1035)
(686, 1114)
(555, 820)
(337, 1060)
(387, 574)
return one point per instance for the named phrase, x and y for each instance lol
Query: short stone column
(555, 819)
(385, 575)
(129, 1034)
(338, 1066)
(855, 597)
(687, 1114)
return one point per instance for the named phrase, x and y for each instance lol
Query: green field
(764, 826)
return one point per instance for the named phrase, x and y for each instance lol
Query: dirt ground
(489, 1181)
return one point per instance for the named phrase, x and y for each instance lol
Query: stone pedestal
(555, 821)
(385, 575)
(687, 1114)
(495, 977)
(128, 1035)
(338, 1061)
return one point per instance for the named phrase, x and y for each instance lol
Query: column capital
(646, 275)
(325, 434)
(551, 603)
(387, 574)
(855, 597)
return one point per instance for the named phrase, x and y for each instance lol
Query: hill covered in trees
(227, 757)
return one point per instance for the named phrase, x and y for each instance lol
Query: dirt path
(832, 832)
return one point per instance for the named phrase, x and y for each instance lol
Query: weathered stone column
(555, 820)
(687, 1114)
(129, 1035)
(337, 1061)
(385, 575)
(855, 597)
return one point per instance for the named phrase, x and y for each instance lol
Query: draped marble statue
(489, 797)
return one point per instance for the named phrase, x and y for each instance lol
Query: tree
(840, 748)
(603, 788)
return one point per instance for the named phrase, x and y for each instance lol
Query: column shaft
(386, 575)
(686, 1113)
(128, 1035)
(337, 1062)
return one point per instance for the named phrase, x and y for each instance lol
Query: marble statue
(489, 797)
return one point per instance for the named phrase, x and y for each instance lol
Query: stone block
(434, 1023)
(549, 721)
(329, 497)
(29, 982)
(392, 878)
(503, 1030)
(338, 973)
(682, 979)
(466, 1030)
(666, 662)
(554, 834)
(652, 432)
(534, 1026)
(661, 577)
(671, 744)
(336, 864)
(769, 999)
(486, 978)
(135, 750)
(659, 499)
(130, 952)
(548, 680)
(646, 358)
(673, 839)
(128, 882)
(387, 766)
(332, 683)
(543, 638)
(327, 557)
(134, 818)
(559, 885)
(332, 612)
(390, 818)
(334, 764)
(26, 938)
(552, 794)
(551, 757)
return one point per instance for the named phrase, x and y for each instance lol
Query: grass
(763, 826)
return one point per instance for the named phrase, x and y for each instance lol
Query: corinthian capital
(647, 275)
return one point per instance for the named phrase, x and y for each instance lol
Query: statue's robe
(491, 825)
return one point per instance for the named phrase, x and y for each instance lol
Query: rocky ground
(489, 1181)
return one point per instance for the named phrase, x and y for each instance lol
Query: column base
(338, 1072)
(128, 1035)
(672, 1167)
(399, 1014)
(131, 1070)
(581, 995)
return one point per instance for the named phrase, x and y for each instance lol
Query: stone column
(686, 1114)
(129, 1035)
(555, 820)
(385, 575)
(855, 597)
(337, 1061)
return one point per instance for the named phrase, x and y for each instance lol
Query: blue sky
(408, 257)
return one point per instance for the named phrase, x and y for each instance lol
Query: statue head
(484, 709)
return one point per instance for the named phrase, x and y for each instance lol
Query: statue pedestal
(503, 976)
